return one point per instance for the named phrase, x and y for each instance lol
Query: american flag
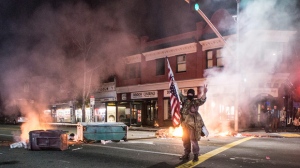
(174, 98)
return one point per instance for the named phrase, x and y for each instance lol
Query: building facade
(143, 87)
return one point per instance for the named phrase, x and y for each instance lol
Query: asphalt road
(216, 152)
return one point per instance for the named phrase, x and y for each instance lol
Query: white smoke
(262, 25)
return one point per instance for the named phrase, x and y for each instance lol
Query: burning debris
(44, 139)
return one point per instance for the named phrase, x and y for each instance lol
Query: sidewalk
(155, 132)
(255, 132)
(260, 132)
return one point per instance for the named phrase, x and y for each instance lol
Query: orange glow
(156, 123)
(223, 134)
(33, 123)
(177, 132)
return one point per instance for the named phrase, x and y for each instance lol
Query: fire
(32, 124)
(177, 132)
(223, 134)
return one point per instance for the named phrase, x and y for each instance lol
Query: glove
(205, 131)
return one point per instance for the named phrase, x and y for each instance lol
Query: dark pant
(283, 125)
(189, 141)
(267, 125)
(274, 124)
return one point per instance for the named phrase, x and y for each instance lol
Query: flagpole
(175, 101)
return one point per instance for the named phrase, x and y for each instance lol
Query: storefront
(139, 108)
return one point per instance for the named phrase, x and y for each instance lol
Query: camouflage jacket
(192, 120)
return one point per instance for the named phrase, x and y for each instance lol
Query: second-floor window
(219, 58)
(133, 71)
(181, 63)
(209, 58)
(160, 66)
(214, 58)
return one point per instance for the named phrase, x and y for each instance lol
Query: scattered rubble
(20, 144)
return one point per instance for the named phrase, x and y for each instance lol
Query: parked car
(12, 119)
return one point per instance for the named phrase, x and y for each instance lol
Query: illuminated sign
(183, 91)
(143, 95)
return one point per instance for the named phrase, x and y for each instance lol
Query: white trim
(160, 86)
(133, 59)
(171, 51)
(213, 43)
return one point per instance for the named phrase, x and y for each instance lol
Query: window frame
(160, 66)
(180, 63)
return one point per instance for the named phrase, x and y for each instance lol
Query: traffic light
(194, 5)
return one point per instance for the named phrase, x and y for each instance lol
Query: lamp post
(197, 8)
(236, 114)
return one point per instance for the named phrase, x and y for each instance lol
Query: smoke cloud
(259, 58)
(48, 47)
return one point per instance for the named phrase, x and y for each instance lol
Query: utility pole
(197, 8)
(236, 113)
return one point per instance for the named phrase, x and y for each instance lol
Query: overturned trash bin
(48, 140)
(102, 131)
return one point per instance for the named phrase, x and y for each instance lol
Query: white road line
(135, 150)
(142, 142)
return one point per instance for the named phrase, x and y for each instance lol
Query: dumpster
(48, 140)
(97, 131)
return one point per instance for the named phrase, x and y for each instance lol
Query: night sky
(153, 18)
(51, 38)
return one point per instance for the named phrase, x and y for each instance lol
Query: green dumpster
(96, 131)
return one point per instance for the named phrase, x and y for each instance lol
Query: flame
(223, 134)
(33, 123)
(177, 132)
(156, 123)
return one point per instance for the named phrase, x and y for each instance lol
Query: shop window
(167, 110)
(160, 66)
(111, 113)
(181, 63)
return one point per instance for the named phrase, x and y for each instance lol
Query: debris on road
(21, 144)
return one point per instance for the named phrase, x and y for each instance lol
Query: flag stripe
(174, 98)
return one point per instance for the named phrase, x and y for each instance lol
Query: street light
(195, 4)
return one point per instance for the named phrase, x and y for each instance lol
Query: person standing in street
(267, 119)
(283, 119)
(275, 114)
(192, 123)
(296, 120)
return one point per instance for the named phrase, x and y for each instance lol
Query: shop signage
(183, 91)
(107, 87)
(264, 91)
(92, 100)
(124, 96)
(107, 99)
(143, 95)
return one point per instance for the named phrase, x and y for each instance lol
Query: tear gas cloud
(255, 63)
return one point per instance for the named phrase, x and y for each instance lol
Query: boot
(195, 158)
(184, 157)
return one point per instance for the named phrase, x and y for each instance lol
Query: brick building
(141, 94)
